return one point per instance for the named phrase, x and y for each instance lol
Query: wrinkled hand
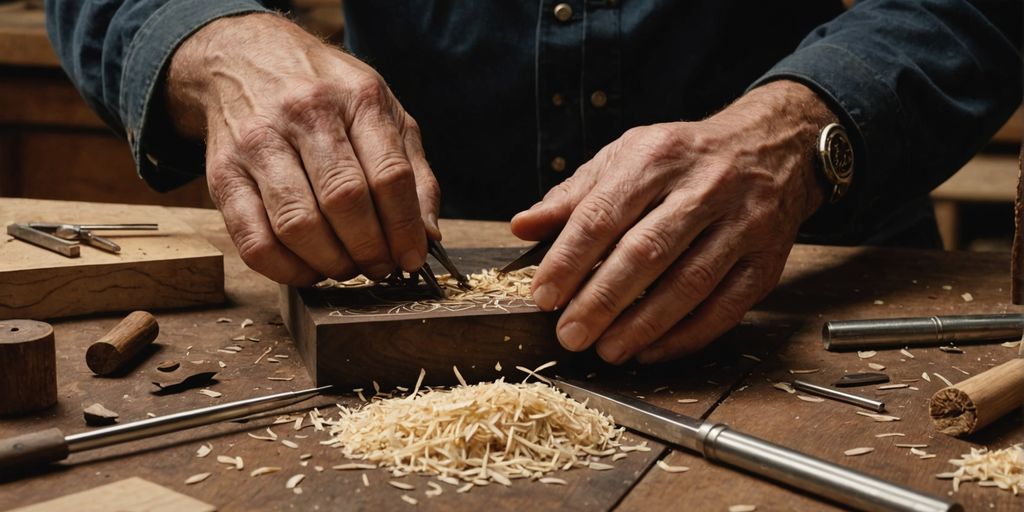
(701, 215)
(316, 168)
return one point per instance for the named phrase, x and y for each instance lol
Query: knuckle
(406, 225)
(260, 140)
(695, 280)
(369, 92)
(604, 299)
(255, 250)
(644, 329)
(649, 247)
(311, 106)
(597, 217)
(294, 222)
(343, 190)
(393, 172)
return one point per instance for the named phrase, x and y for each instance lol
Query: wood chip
(600, 466)
(278, 378)
(550, 480)
(223, 320)
(289, 444)
(497, 366)
(265, 470)
(919, 452)
(867, 354)
(784, 386)
(853, 452)
(264, 354)
(664, 466)
(196, 478)
(943, 379)
(168, 366)
(401, 485)
(878, 417)
(877, 367)
(928, 456)
(803, 372)
(435, 490)
(752, 357)
(262, 438)
(353, 465)
(234, 461)
(909, 445)
(891, 434)
(366, 480)
(687, 400)
(814, 399)
(464, 488)
(96, 415)
(951, 350)
(619, 456)
(893, 386)
(246, 323)
(924, 375)
(204, 450)
(742, 508)
(1011, 344)
(294, 481)
(210, 393)
(967, 297)
(906, 353)
(409, 499)
(240, 337)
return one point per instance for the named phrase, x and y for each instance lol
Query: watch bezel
(838, 171)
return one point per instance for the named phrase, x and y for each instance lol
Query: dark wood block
(350, 337)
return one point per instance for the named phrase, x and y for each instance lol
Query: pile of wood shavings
(491, 283)
(488, 432)
(1001, 468)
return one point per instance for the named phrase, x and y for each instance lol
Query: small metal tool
(847, 335)
(437, 251)
(45, 446)
(717, 442)
(841, 396)
(45, 240)
(84, 232)
(532, 256)
(852, 380)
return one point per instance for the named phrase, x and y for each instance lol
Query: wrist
(791, 116)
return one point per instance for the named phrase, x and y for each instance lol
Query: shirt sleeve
(116, 53)
(920, 85)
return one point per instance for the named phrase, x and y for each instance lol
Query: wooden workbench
(819, 283)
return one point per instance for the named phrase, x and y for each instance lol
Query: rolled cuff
(165, 164)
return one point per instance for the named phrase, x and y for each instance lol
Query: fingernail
(380, 271)
(411, 260)
(573, 336)
(611, 351)
(546, 296)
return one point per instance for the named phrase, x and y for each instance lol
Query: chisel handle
(34, 449)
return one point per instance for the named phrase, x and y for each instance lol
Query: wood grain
(118, 347)
(980, 400)
(170, 268)
(28, 372)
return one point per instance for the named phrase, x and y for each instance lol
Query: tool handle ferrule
(22, 452)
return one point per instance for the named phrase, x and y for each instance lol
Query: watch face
(839, 152)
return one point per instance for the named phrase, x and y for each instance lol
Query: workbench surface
(783, 332)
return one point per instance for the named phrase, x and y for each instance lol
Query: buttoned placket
(578, 84)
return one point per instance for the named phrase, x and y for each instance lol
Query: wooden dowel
(28, 367)
(112, 352)
(974, 403)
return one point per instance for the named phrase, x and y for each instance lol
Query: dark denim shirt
(513, 96)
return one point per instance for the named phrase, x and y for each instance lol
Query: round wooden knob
(28, 367)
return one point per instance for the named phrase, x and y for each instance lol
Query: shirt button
(598, 99)
(558, 164)
(557, 100)
(563, 12)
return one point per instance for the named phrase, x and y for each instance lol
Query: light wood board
(171, 267)
(129, 495)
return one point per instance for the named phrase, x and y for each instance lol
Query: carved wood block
(352, 336)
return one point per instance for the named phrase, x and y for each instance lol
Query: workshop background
(53, 147)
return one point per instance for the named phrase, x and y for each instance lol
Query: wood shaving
(497, 366)
(306, 456)
(265, 470)
(240, 337)
(227, 351)
(928, 456)
(222, 364)
(803, 372)
(951, 350)
(264, 354)
(784, 386)
(246, 323)
(664, 466)
(924, 375)
(550, 480)
(354, 465)
(409, 499)
(878, 417)
(752, 357)
(262, 438)
(814, 399)
(289, 444)
(294, 481)
(687, 400)
(919, 452)
(891, 434)
(893, 386)
(1011, 344)
(619, 456)
(223, 320)
(435, 490)
(234, 461)
(288, 378)
(210, 393)
(204, 450)
(853, 452)
(196, 478)
(877, 367)
(487, 432)
(600, 466)
(366, 480)
(867, 354)
(1003, 468)
(742, 508)
(906, 353)
(401, 485)
(943, 379)
(967, 297)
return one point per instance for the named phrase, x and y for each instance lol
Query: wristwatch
(836, 155)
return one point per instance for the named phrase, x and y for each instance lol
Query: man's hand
(316, 168)
(701, 215)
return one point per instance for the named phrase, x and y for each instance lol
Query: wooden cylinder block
(28, 367)
(114, 351)
(974, 403)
